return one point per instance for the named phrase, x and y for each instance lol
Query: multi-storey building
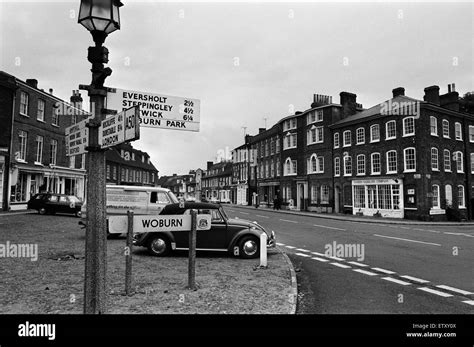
(32, 139)
(126, 165)
(240, 173)
(217, 181)
(402, 158)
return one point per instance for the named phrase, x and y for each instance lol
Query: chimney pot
(348, 103)
(32, 82)
(50, 90)
(398, 91)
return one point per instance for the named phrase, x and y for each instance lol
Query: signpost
(120, 128)
(77, 138)
(158, 110)
(148, 223)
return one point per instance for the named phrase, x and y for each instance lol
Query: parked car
(236, 236)
(139, 199)
(52, 203)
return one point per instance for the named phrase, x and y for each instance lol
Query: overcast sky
(244, 61)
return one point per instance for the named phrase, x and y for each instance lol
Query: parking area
(45, 274)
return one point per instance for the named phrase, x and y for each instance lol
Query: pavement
(54, 281)
(352, 218)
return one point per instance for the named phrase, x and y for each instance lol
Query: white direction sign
(158, 110)
(120, 128)
(77, 138)
(148, 223)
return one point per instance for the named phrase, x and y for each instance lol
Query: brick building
(216, 182)
(402, 158)
(126, 165)
(32, 142)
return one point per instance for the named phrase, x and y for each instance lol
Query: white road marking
(405, 228)
(458, 234)
(383, 270)
(262, 216)
(469, 302)
(341, 265)
(280, 244)
(290, 247)
(243, 212)
(302, 255)
(430, 231)
(289, 221)
(358, 264)
(460, 291)
(419, 280)
(324, 226)
(320, 254)
(365, 272)
(432, 291)
(320, 259)
(397, 238)
(302, 250)
(396, 281)
(336, 258)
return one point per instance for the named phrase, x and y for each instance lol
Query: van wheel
(249, 247)
(159, 246)
(78, 213)
(42, 210)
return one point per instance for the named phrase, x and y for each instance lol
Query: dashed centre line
(394, 280)
(302, 250)
(456, 290)
(365, 272)
(320, 259)
(289, 221)
(243, 212)
(432, 291)
(415, 279)
(358, 264)
(258, 215)
(341, 265)
(383, 270)
(408, 240)
(303, 255)
(324, 226)
(469, 302)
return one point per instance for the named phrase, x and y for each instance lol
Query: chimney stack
(320, 100)
(450, 100)
(432, 95)
(32, 83)
(76, 99)
(50, 90)
(209, 164)
(261, 130)
(348, 103)
(398, 91)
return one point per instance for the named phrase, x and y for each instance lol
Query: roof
(175, 209)
(375, 110)
(114, 155)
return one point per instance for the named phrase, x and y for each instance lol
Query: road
(398, 269)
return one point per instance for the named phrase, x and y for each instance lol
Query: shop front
(267, 192)
(242, 194)
(378, 197)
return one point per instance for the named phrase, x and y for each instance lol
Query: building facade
(402, 158)
(126, 165)
(32, 142)
(216, 182)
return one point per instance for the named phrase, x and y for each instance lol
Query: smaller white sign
(120, 128)
(148, 223)
(77, 138)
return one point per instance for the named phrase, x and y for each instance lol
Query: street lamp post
(100, 17)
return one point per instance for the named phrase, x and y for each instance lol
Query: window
(316, 116)
(272, 169)
(336, 140)
(375, 161)
(324, 194)
(347, 138)
(391, 162)
(472, 163)
(433, 127)
(39, 149)
(337, 166)
(435, 191)
(447, 160)
(40, 113)
(408, 126)
(290, 167)
(314, 194)
(266, 148)
(72, 161)
(434, 159)
(24, 104)
(122, 175)
(459, 162)
(458, 131)
(277, 145)
(461, 200)
(359, 196)
(375, 133)
(107, 172)
(289, 141)
(360, 136)
(347, 166)
(315, 135)
(445, 128)
(159, 198)
(471, 133)
(448, 192)
(83, 161)
(55, 117)
(390, 130)
(361, 164)
(53, 150)
(289, 124)
(409, 156)
(23, 139)
(114, 173)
